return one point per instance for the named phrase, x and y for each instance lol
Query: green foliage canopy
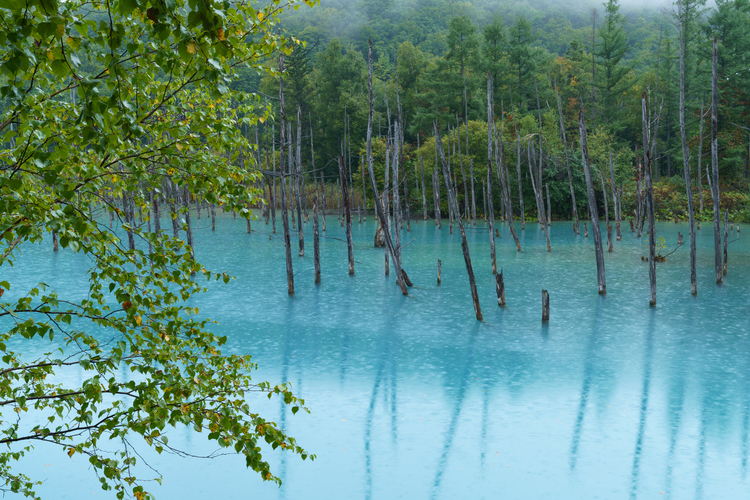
(105, 100)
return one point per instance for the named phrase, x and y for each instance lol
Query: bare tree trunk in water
(424, 193)
(464, 244)
(284, 213)
(649, 202)
(518, 169)
(606, 213)
(726, 238)
(316, 239)
(348, 215)
(378, 206)
(700, 157)
(592, 207)
(436, 197)
(186, 205)
(715, 165)
(298, 184)
(615, 197)
(491, 215)
(503, 175)
(567, 160)
(500, 288)
(323, 186)
(273, 177)
(686, 157)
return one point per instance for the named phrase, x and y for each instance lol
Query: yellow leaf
(138, 320)
(179, 146)
(71, 451)
(191, 48)
(221, 34)
(50, 55)
(261, 16)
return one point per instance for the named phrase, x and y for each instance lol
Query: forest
(546, 62)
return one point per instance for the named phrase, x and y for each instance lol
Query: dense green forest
(429, 54)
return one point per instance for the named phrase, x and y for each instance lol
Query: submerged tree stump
(406, 279)
(439, 278)
(726, 239)
(545, 306)
(500, 288)
(632, 226)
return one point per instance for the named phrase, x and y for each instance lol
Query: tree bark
(715, 164)
(545, 306)
(726, 238)
(592, 207)
(464, 244)
(500, 288)
(649, 201)
(316, 240)
(284, 213)
(298, 184)
(567, 160)
(436, 196)
(348, 214)
(686, 156)
(490, 209)
(378, 206)
(615, 196)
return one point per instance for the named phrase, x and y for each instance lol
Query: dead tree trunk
(592, 207)
(615, 197)
(471, 182)
(545, 306)
(518, 170)
(715, 165)
(436, 196)
(700, 157)
(503, 175)
(316, 240)
(726, 238)
(491, 210)
(606, 214)
(500, 288)
(348, 215)
(424, 193)
(686, 156)
(567, 160)
(284, 213)
(323, 186)
(378, 206)
(439, 277)
(273, 178)
(188, 223)
(174, 200)
(298, 184)
(464, 244)
(649, 202)
(364, 191)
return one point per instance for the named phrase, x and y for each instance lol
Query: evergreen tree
(612, 47)
(522, 61)
(494, 49)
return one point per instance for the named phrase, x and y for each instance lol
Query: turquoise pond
(412, 398)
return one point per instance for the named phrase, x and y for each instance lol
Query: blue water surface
(411, 397)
